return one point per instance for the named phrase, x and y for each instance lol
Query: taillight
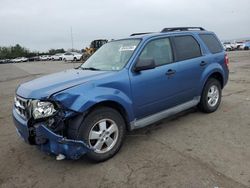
(226, 61)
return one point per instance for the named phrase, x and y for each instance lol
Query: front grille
(22, 107)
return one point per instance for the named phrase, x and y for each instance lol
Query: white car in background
(44, 58)
(20, 59)
(56, 57)
(236, 45)
(228, 46)
(71, 56)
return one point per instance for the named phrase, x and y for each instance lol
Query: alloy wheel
(103, 135)
(213, 96)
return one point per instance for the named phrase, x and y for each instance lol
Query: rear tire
(211, 96)
(102, 129)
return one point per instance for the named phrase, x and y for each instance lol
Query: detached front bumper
(48, 141)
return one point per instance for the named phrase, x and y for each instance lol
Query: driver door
(156, 89)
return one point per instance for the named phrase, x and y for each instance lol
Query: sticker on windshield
(127, 48)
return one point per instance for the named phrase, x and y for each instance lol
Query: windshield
(112, 56)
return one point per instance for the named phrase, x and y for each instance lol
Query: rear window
(186, 48)
(212, 43)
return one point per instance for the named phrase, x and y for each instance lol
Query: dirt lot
(190, 150)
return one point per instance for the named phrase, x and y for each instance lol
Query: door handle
(170, 72)
(203, 63)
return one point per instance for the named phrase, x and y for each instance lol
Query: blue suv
(127, 84)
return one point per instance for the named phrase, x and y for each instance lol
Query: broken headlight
(42, 109)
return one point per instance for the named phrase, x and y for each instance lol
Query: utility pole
(71, 38)
(72, 44)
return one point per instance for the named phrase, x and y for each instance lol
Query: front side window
(112, 56)
(186, 47)
(158, 50)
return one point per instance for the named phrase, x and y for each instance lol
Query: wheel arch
(76, 120)
(218, 76)
(213, 71)
(114, 105)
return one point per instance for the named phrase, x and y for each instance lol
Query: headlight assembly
(41, 109)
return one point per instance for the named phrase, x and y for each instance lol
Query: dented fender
(83, 97)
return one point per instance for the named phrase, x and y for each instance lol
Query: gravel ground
(191, 149)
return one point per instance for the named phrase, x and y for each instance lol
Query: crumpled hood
(45, 86)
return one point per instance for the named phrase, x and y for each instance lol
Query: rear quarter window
(212, 43)
(186, 47)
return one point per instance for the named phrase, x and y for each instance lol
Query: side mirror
(144, 64)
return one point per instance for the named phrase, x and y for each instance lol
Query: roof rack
(134, 34)
(182, 29)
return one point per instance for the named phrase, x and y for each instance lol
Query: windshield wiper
(89, 68)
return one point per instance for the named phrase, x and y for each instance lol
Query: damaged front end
(48, 130)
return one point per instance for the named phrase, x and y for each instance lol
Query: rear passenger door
(191, 64)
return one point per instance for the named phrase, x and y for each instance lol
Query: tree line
(12, 52)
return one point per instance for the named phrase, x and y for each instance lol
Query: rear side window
(186, 48)
(212, 43)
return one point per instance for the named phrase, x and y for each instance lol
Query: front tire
(211, 96)
(103, 130)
